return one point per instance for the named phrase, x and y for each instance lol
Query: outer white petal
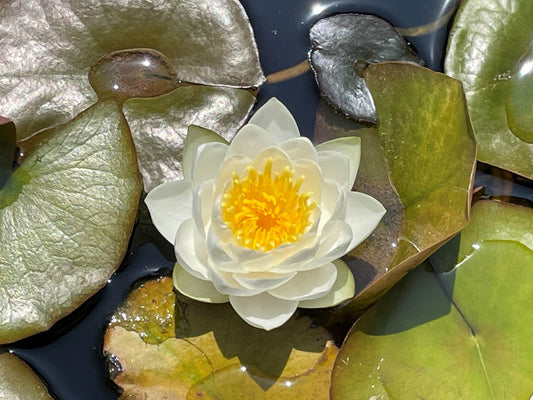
(351, 147)
(209, 158)
(299, 148)
(195, 288)
(262, 281)
(226, 284)
(363, 214)
(335, 166)
(196, 136)
(274, 117)
(249, 141)
(202, 204)
(343, 289)
(307, 285)
(263, 311)
(169, 205)
(191, 250)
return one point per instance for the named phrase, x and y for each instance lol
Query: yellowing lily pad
(461, 334)
(419, 163)
(162, 345)
(66, 215)
(18, 381)
(490, 50)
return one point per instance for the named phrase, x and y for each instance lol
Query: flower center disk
(265, 210)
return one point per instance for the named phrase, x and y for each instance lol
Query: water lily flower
(262, 222)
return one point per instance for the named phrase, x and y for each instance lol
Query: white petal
(363, 214)
(263, 281)
(196, 136)
(274, 117)
(202, 204)
(299, 148)
(280, 161)
(307, 285)
(195, 288)
(351, 147)
(343, 289)
(234, 164)
(335, 166)
(263, 311)
(313, 178)
(191, 250)
(249, 141)
(333, 204)
(170, 204)
(216, 249)
(226, 284)
(209, 158)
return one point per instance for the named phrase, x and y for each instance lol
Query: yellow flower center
(265, 211)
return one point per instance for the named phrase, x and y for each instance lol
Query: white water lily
(261, 222)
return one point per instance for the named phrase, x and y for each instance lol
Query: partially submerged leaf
(467, 330)
(342, 46)
(205, 350)
(490, 50)
(8, 138)
(18, 381)
(66, 215)
(421, 168)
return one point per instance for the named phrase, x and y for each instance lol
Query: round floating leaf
(18, 381)
(419, 163)
(342, 46)
(66, 215)
(165, 346)
(491, 51)
(462, 334)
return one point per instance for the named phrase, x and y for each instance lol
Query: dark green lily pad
(490, 50)
(342, 46)
(163, 345)
(418, 162)
(18, 381)
(66, 215)
(462, 334)
(8, 138)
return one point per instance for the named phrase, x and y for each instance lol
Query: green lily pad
(342, 46)
(45, 82)
(8, 138)
(18, 381)
(490, 50)
(163, 345)
(66, 215)
(419, 162)
(461, 334)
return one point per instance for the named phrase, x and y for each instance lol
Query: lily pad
(163, 345)
(18, 381)
(342, 46)
(491, 51)
(8, 138)
(44, 80)
(66, 215)
(418, 162)
(461, 334)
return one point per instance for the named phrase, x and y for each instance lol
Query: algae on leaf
(160, 344)
(467, 329)
(66, 215)
(18, 381)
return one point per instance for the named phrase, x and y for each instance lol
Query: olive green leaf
(491, 51)
(136, 49)
(8, 138)
(418, 162)
(163, 345)
(18, 381)
(342, 46)
(462, 334)
(66, 215)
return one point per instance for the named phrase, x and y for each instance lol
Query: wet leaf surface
(18, 381)
(490, 50)
(342, 46)
(466, 329)
(66, 215)
(161, 344)
(419, 162)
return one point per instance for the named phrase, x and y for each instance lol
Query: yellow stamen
(265, 211)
